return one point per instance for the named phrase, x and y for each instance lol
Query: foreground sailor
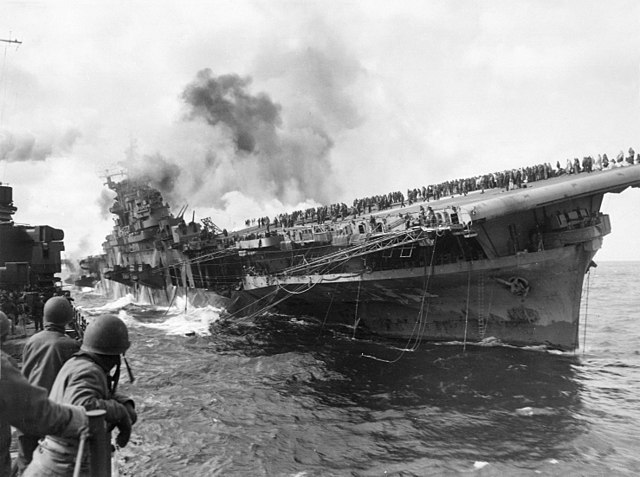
(27, 408)
(5, 327)
(88, 379)
(43, 356)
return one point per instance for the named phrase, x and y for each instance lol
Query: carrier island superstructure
(496, 263)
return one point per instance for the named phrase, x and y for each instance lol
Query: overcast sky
(339, 99)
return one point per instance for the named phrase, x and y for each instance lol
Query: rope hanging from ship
(175, 293)
(303, 289)
(322, 265)
(326, 315)
(586, 313)
(358, 250)
(329, 263)
(466, 314)
(422, 322)
(356, 319)
(230, 253)
(333, 265)
(271, 305)
(309, 287)
(394, 240)
(239, 311)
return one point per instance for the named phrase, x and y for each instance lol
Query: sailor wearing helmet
(42, 357)
(89, 379)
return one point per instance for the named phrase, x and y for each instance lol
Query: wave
(179, 319)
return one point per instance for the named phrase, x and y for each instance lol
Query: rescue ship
(29, 254)
(506, 263)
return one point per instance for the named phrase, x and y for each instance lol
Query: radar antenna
(17, 42)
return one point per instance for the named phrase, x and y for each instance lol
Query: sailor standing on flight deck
(88, 379)
(42, 357)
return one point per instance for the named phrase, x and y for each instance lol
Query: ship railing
(382, 241)
(203, 258)
(375, 244)
(78, 324)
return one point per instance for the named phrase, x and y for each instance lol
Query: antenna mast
(18, 42)
(4, 64)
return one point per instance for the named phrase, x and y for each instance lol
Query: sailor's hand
(131, 410)
(129, 405)
(78, 423)
(124, 426)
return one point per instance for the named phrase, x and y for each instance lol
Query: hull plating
(529, 299)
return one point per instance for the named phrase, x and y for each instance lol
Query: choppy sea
(284, 396)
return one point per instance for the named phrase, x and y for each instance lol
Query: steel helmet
(58, 310)
(106, 334)
(5, 326)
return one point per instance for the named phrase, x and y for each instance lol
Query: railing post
(99, 444)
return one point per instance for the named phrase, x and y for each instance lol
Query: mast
(4, 63)
(17, 42)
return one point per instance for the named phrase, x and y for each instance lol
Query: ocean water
(283, 396)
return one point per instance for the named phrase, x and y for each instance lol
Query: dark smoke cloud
(270, 159)
(233, 139)
(25, 146)
(225, 100)
(155, 170)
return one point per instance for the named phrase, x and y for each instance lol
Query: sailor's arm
(87, 389)
(27, 407)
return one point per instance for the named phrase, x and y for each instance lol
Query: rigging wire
(424, 296)
(3, 78)
(4, 84)
(329, 307)
(356, 319)
(421, 324)
(264, 297)
(270, 305)
(175, 292)
(586, 315)
(466, 316)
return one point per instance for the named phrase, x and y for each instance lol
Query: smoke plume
(265, 157)
(270, 148)
(25, 146)
(105, 201)
(225, 100)
(158, 171)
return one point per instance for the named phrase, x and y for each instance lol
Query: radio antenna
(18, 42)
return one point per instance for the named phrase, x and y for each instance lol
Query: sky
(241, 109)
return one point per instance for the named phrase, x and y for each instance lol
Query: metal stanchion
(83, 441)
(99, 444)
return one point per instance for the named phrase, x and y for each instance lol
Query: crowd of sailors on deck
(507, 180)
(26, 307)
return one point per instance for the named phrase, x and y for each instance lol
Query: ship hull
(507, 264)
(527, 299)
